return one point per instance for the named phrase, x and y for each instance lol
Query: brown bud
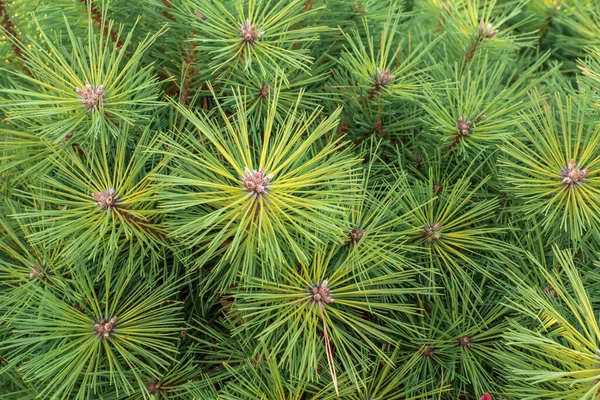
(428, 352)
(319, 294)
(355, 235)
(465, 342)
(264, 91)
(464, 127)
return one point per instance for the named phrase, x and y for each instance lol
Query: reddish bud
(256, 182)
(91, 97)
(250, 33)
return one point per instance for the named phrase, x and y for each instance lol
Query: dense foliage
(299, 199)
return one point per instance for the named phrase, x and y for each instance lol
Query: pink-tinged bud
(319, 294)
(38, 272)
(487, 31)
(91, 97)
(153, 388)
(382, 79)
(486, 396)
(107, 199)
(104, 329)
(358, 8)
(550, 291)
(35, 272)
(431, 232)
(256, 182)
(573, 175)
(464, 127)
(250, 33)
(465, 342)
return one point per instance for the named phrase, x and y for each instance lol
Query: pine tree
(299, 199)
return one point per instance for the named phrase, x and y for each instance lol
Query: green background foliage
(299, 199)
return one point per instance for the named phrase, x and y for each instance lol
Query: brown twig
(10, 28)
(189, 74)
(166, 14)
(484, 32)
(470, 53)
(96, 17)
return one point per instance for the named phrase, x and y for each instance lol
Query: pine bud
(358, 9)
(355, 235)
(91, 97)
(549, 290)
(381, 79)
(153, 387)
(105, 328)
(319, 294)
(487, 31)
(107, 199)
(256, 182)
(464, 127)
(264, 91)
(572, 176)
(431, 232)
(38, 271)
(428, 352)
(250, 33)
(35, 272)
(465, 342)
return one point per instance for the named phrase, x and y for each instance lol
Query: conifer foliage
(299, 199)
